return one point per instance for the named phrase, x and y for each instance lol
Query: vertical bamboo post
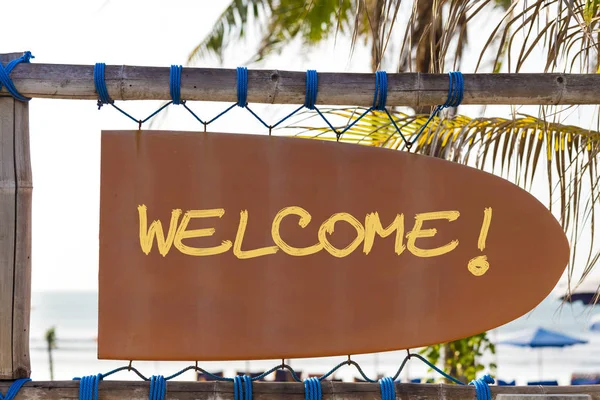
(15, 235)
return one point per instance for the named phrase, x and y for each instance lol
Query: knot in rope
(388, 389)
(14, 389)
(88, 387)
(481, 387)
(381, 89)
(311, 89)
(312, 389)
(158, 387)
(242, 388)
(242, 86)
(7, 82)
(175, 83)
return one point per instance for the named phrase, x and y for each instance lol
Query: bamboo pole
(206, 84)
(15, 236)
(288, 87)
(116, 390)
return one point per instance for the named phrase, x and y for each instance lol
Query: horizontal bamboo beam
(288, 87)
(116, 390)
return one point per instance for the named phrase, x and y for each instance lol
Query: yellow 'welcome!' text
(364, 234)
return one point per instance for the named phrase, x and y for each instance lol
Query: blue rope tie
(242, 86)
(5, 76)
(381, 89)
(104, 98)
(456, 90)
(312, 389)
(100, 84)
(311, 89)
(242, 385)
(481, 387)
(242, 388)
(455, 96)
(248, 387)
(388, 388)
(379, 100)
(158, 387)
(14, 388)
(238, 388)
(175, 83)
(88, 387)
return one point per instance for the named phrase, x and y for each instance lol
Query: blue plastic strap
(247, 387)
(104, 98)
(381, 89)
(7, 82)
(175, 83)
(14, 389)
(88, 387)
(100, 84)
(455, 89)
(242, 388)
(158, 387)
(242, 86)
(311, 89)
(312, 389)
(237, 388)
(388, 388)
(481, 387)
(385, 90)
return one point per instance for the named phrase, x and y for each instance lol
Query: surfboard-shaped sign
(219, 246)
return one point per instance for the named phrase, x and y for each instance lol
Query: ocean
(75, 318)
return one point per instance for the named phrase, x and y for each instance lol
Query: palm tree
(428, 34)
(51, 342)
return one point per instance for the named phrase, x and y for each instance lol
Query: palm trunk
(376, 26)
(50, 361)
(51, 342)
(427, 37)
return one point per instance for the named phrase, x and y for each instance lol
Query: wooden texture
(288, 87)
(15, 236)
(117, 390)
(312, 290)
(506, 396)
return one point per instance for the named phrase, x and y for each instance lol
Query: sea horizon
(74, 315)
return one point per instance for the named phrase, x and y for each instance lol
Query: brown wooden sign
(220, 246)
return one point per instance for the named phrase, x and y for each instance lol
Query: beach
(75, 317)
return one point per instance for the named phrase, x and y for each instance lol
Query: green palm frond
(511, 148)
(277, 23)
(231, 26)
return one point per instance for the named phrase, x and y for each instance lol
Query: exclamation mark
(479, 265)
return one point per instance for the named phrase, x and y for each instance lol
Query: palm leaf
(231, 25)
(515, 146)
(276, 23)
(567, 31)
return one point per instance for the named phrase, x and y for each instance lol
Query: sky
(65, 134)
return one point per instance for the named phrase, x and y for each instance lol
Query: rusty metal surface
(186, 305)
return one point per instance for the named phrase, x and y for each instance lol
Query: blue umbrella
(541, 337)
